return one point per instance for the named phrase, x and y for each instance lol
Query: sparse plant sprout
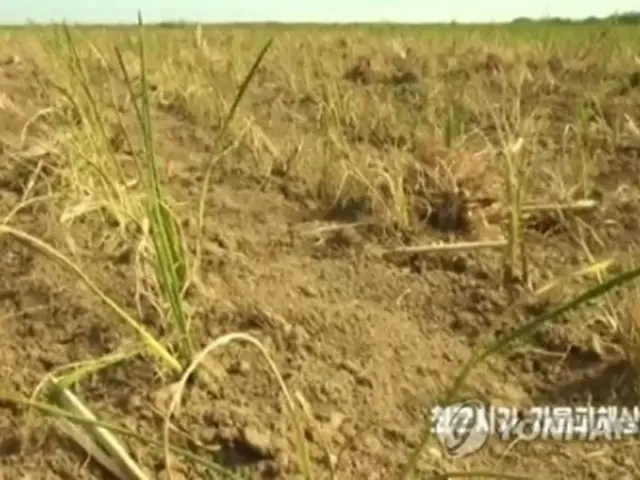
(167, 246)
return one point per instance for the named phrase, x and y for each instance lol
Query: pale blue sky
(107, 11)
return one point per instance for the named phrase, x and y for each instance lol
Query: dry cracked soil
(369, 343)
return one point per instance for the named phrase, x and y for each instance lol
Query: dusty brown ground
(370, 343)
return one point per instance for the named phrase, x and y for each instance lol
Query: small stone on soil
(258, 442)
(241, 367)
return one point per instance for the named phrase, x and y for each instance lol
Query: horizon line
(169, 23)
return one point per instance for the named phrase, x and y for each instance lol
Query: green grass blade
(508, 340)
(171, 264)
(225, 126)
(58, 413)
(153, 346)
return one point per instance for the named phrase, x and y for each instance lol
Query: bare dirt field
(348, 146)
